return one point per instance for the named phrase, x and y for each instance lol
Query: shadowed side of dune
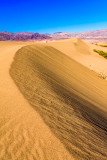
(67, 96)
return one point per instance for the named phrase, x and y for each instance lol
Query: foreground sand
(23, 134)
(66, 118)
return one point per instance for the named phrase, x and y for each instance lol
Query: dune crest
(23, 134)
(70, 98)
(83, 53)
(72, 47)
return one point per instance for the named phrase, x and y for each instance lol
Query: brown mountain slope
(91, 36)
(82, 35)
(22, 36)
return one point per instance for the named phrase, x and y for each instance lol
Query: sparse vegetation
(104, 54)
(101, 45)
(102, 75)
(60, 90)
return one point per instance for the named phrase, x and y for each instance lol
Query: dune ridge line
(69, 97)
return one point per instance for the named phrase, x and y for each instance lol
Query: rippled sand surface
(52, 107)
(23, 133)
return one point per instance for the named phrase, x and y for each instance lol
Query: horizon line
(53, 32)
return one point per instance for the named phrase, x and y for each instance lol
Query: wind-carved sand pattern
(70, 99)
(23, 134)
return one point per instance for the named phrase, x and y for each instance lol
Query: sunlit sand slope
(72, 47)
(23, 134)
(71, 99)
(83, 53)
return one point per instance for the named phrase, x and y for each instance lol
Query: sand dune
(23, 134)
(72, 47)
(69, 97)
(83, 53)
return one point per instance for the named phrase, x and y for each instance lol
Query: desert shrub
(103, 45)
(100, 45)
(104, 54)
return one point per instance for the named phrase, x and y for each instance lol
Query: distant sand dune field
(83, 53)
(71, 100)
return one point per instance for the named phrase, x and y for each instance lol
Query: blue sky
(49, 16)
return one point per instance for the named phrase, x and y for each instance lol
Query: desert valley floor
(53, 101)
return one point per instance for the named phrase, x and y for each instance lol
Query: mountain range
(100, 35)
(88, 34)
(22, 36)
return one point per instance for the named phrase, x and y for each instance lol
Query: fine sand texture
(83, 53)
(67, 118)
(23, 133)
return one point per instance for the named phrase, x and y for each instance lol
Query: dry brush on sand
(70, 98)
(104, 54)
